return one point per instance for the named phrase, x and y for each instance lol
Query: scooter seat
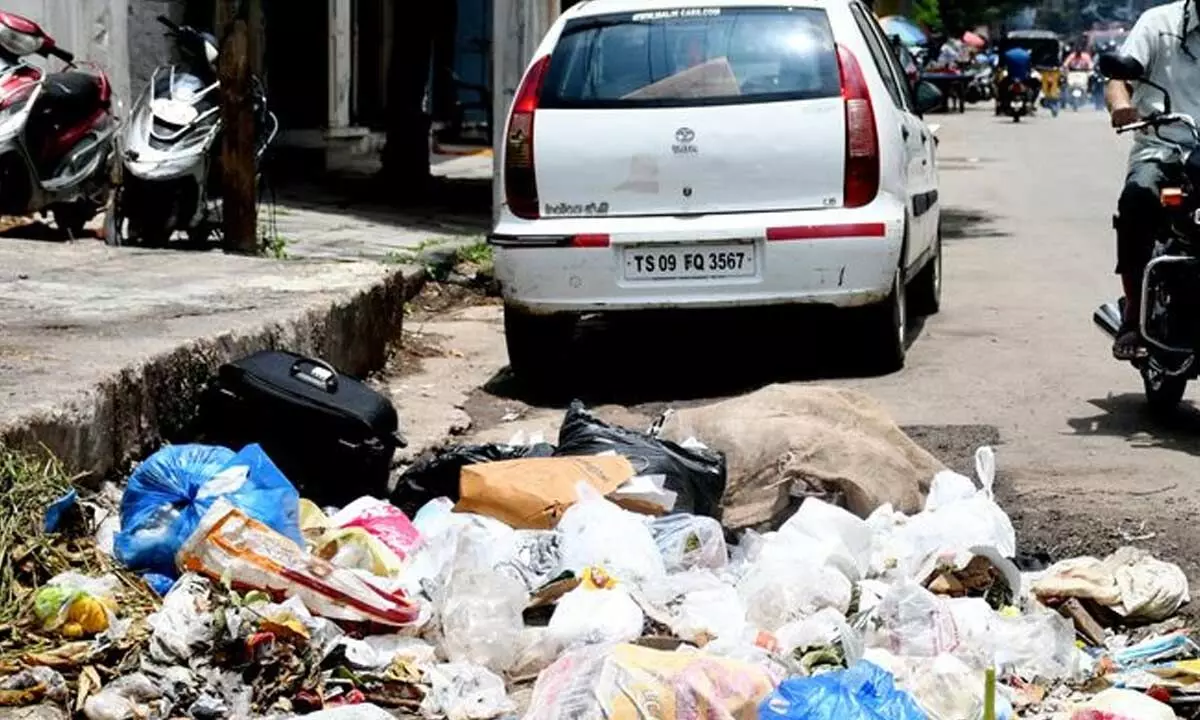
(71, 97)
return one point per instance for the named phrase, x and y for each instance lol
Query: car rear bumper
(840, 258)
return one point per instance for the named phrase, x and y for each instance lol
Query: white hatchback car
(748, 153)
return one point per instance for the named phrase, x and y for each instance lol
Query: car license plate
(689, 262)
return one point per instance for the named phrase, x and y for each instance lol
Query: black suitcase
(331, 435)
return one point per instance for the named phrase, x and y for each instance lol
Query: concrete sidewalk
(103, 351)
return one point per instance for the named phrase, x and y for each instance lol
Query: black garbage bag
(435, 474)
(697, 475)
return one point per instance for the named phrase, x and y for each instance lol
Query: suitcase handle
(328, 384)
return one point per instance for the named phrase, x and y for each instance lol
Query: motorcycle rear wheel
(1163, 392)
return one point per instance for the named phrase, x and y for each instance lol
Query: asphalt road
(1029, 255)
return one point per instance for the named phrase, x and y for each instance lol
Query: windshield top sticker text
(674, 14)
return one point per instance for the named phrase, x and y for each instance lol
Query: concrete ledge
(99, 390)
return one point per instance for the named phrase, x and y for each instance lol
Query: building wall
(95, 30)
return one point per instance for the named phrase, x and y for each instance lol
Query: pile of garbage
(603, 577)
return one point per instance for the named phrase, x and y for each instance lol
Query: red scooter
(57, 130)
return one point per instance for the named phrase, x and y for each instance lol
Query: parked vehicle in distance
(56, 130)
(170, 174)
(752, 153)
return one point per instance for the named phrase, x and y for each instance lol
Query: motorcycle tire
(1163, 392)
(114, 235)
(72, 218)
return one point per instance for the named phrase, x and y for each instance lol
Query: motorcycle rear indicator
(1171, 197)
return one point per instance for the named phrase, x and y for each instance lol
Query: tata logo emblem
(687, 192)
(684, 138)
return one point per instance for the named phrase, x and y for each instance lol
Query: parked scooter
(56, 130)
(170, 174)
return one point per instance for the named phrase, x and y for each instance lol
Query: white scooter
(1078, 84)
(170, 175)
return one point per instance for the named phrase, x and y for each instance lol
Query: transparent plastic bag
(911, 621)
(784, 585)
(690, 541)
(463, 691)
(481, 611)
(1038, 645)
(597, 533)
(77, 606)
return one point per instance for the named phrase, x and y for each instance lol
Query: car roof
(603, 7)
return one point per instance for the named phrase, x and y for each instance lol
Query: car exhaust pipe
(1108, 318)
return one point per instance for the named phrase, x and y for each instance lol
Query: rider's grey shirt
(1156, 40)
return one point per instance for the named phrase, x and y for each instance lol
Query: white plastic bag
(595, 617)
(597, 533)
(952, 526)
(690, 541)
(826, 628)
(699, 605)
(830, 535)
(1120, 704)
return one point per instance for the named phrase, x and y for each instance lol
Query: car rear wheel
(537, 345)
(925, 293)
(885, 330)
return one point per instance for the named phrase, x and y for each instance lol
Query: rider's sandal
(1129, 346)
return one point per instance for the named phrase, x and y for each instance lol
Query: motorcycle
(1018, 100)
(979, 87)
(170, 172)
(1170, 293)
(56, 130)
(1078, 88)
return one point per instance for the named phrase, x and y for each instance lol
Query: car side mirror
(928, 97)
(1121, 67)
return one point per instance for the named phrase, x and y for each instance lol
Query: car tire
(537, 345)
(925, 292)
(885, 330)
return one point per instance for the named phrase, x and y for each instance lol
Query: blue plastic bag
(864, 692)
(169, 493)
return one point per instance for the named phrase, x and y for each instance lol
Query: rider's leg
(1139, 209)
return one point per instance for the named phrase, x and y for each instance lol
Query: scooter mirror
(1121, 67)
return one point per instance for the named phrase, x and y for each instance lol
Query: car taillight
(862, 138)
(520, 180)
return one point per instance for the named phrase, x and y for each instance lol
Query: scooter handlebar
(166, 21)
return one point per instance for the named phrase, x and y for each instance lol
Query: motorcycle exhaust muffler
(1108, 318)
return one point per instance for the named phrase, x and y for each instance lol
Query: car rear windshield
(693, 56)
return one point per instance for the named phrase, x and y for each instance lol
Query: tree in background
(927, 14)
